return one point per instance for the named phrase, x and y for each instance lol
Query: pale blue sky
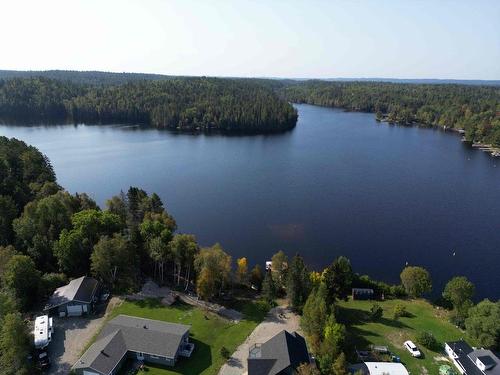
(281, 38)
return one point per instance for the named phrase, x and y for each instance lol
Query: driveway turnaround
(278, 319)
(71, 336)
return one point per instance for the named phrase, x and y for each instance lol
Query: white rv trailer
(43, 331)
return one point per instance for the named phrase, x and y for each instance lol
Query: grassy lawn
(209, 333)
(393, 333)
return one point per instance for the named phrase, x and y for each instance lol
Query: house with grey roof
(141, 339)
(74, 299)
(281, 354)
(472, 361)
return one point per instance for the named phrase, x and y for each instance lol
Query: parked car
(42, 360)
(412, 348)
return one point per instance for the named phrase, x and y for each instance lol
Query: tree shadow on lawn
(393, 323)
(351, 317)
(155, 303)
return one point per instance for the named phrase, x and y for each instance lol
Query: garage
(74, 310)
(74, 299)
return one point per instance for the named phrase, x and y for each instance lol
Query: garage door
(89, 373)
(74, 310)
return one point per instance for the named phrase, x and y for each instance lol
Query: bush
(427, 340)
(376, 312)
(224, 352)
(398, 291)
(400, 311)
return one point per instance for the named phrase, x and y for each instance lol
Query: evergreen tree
(269, 289)
(298, 283)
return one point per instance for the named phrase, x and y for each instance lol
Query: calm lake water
(338, 184)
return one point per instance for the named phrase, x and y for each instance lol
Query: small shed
(74, 299)
(362, 293)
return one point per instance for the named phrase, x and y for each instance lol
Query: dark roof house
(471, 361)
(362, 293)
(75, 298)
(131, 337)
(281, 354)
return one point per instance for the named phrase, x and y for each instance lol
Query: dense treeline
(475, 109)
(182, 104)
(84, 77)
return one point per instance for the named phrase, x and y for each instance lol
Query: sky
(269, 38)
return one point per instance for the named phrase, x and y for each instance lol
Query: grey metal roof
(127, 333)
(81, 290)
(282, 351)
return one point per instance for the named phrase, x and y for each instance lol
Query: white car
(412, 348)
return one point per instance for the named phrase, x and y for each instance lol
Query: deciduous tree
(416, 281)
(23, 279)
(483, 323)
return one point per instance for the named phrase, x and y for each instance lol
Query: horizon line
(363, 78)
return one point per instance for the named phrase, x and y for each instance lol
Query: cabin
(362, 293)
(472, 361)
(44, 327)
(74, 299)
(378, 368)
(128, 337)
(282, 354)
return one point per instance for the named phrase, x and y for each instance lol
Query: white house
(380, 368)
(471, 361)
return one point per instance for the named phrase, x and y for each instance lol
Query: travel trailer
(43, 331)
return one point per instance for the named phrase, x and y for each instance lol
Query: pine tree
(298, 284)
(269, 287)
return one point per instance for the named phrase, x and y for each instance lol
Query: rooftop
(81, 290)
(468, 356)
(380, 368)
(126, 333)
(278, 353)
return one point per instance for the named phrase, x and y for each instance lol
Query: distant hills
(111, 78)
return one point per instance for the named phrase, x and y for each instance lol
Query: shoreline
(494, 151)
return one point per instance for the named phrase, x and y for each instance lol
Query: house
(281, 354)
(471, 361)
(126, 336)
(362, 293)
(379, 368)
(74, 299)
(42, 333)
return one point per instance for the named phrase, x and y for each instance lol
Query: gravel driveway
(278, 319)
(70, 337)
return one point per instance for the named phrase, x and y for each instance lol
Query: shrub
(224, 352)
(398, 291)
(427, 340)
(376, 312)
(400, 311)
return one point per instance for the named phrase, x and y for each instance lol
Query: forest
(240, 105)
(472, 108)
(186, 104)
(49, 236)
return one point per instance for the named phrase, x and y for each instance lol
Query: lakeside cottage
(362, 293)
(140, 339)
(74, 299)
(472, 361)
(282, 354)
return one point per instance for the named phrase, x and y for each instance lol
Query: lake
(338, 184)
